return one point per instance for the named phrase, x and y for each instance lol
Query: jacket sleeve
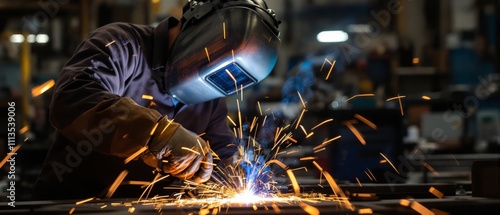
(221, 139)
(87, 105)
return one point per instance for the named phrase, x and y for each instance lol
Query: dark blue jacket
(103, 112)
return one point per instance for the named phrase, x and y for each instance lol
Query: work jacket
(108, 98)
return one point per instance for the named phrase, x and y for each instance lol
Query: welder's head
(224, 45)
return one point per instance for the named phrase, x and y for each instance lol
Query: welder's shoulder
(122, 32)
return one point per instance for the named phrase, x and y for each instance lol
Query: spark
(420, 208)
(365, 211)
(239, 119)
(231, 120)
(320, 150)
(390, 163)
(436, 192)
(394, 98)
(234, 80)
(224, 29)
(115, 184)
(320, 124)
(295, 184)
(327, 142)
(356, 133)
(232, 52)
(191, 150)
(359, 182)
(147, 97)
(24, 129)
(131, 210)
(300, 118)
(153, 130)
(309, 209)
(382, 161)
(141, 183)
(71, 210)
(206, 52)
(426, 98)
(429, 167)
(260, 109)
(360, 95)
(318, 166)
(330, 71)
(42, 88)
(307, 158)
(110, 43)
(303, 130)
(366, 121)
(371, 174)
(102, 207)
(301, 100)
(10, 154)
(133, 156)
(400, 106)
(84, 201)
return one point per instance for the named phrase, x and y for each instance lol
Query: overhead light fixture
(42, 38)
(31, 38)
(332, 36)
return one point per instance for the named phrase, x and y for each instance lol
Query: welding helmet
(223, 46)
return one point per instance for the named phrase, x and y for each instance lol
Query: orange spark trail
(133, 156)
(359, 182)
(191, 150)
(356, 133)
(326, 142)
(360, 95)
(309, 209)
(394, 98)
(12, 152)
(231, 120)
(328, 120)
(115, 184)
(300, 118)
(429, 167)
(42, 88)
(110, 43)
(366, 121)
(260, 108)
(224, 29)
(436, 192)
(390, 162)
(206, 52)
(301, 100)
(234, 80)
(147, 97)
(426, 98)
(330, 71)
(84, 201)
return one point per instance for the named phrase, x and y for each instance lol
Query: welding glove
(179, 152)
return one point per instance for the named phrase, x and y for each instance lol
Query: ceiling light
(332, 36)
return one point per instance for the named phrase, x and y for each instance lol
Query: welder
(158, 91)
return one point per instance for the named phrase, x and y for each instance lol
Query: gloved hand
(178, 151)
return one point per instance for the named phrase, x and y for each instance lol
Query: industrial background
(437, 60)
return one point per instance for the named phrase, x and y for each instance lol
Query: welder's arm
(87, 106)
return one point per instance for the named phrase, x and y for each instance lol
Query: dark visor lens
(224, 79)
